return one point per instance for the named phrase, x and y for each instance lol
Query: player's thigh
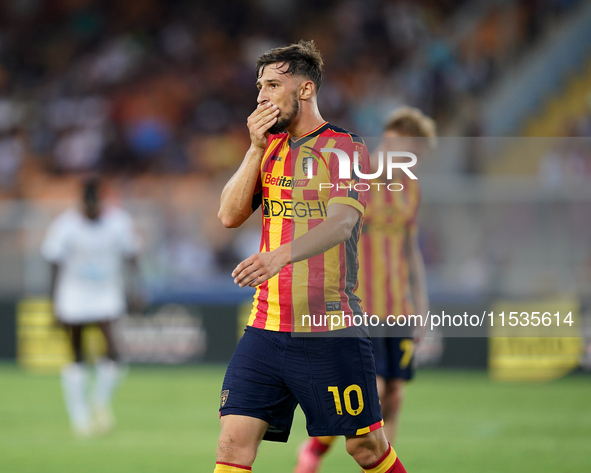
(106, 327)
(381, 382)
(392, 397)
(74, 334)
(395, 386)
(239, 439)
(254, 384)
(74, 331)
(334, 381)
(241, 431)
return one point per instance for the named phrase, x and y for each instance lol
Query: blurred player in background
(271, 371)
(89, 249)
(391, 273)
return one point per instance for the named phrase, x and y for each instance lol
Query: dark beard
(283, 123)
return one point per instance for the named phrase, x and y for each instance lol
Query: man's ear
(307, 90)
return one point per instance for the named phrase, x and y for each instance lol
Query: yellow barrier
(43, 346)
(534, 358)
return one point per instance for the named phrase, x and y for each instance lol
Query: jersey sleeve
(350, 191)
(55, 245)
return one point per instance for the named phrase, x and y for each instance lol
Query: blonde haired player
(391, 273)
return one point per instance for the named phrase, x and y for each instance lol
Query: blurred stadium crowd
(155, 94)
(165, 86)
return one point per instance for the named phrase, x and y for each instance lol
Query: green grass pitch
(451, 422)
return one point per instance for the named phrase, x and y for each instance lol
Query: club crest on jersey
(305, 165)
(308, 161)
(224, 397)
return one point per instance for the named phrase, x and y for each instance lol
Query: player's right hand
(259, 121)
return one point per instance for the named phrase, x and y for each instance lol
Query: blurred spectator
(142, 89)
(159, 74)
(11, 156)
(567, 162)
(79, 149)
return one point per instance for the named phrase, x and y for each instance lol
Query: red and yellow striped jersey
(384, 284)
(298, 183)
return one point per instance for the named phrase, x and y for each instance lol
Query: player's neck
(307, 121)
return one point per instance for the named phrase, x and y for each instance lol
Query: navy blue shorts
(394, 357)
(333, 379)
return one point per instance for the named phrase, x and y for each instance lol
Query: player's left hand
(260, 267)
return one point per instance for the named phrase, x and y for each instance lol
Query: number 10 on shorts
(347, 397)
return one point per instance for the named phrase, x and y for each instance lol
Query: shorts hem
(242, 412)
(345, 432)
(280, 436)
(389, 377)
(276, 435)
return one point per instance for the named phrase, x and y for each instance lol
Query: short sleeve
(350, 191)
(55, 244)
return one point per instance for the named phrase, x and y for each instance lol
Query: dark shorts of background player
(394, 357)
(272, 372)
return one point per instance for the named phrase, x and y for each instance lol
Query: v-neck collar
(308, 136)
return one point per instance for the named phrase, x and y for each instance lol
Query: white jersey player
(89, 251)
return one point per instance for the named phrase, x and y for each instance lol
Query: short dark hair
(303, 59)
